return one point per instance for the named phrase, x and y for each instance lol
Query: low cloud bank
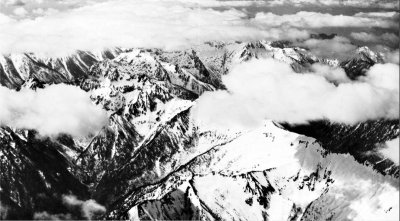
(76, 207)
(55, 109)
(305, 19)
(48, 216)
(171, 24)
(391, 150)
(89, 208)
(392, 4)
(268, 89)
(370, 37)
(163, 24)
(337, 47)
(392, 56)
(332, 74)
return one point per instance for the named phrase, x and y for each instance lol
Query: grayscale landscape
(199, 110)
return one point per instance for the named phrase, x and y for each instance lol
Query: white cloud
(390, 4)
(267, 89)
(5, 20)
(47, 216)
(12, 2)
(55, 109)
(391, 150)
(385, 76)
(39, 11)
(391, 14)
(307, 19)
(392, 56)
(332, 74)
(89, 207)
(370, 37)
(168, 24)
(389, 55)
(20, 11)
(47, 11)
(338, 47)
(3, 211)
(165, 24)
(372, 201)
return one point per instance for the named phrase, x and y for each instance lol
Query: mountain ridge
(151, 154)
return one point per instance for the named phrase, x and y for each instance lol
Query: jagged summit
(15, 69)
(152, 161)
(206, 62)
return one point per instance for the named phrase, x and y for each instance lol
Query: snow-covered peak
(376, 57)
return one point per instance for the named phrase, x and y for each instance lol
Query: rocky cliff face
(153, 162)
(15, 69)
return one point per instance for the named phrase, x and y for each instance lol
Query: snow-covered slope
(152, 161)
(280, 176)
(15, 69)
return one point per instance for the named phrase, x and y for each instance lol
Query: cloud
(390, 4)
(47, 11)
(268, 89)
(332, 74)
(338, 47)
(391, 14)
(7, 6)
(389, 55)
(392, 56)
(149, 23)
(391, 150)
(370, 37)
(20, 11)
(47, 216)
(89, 208)
(305, 19)
(169, 24)
(385, 76)
(3, 211)
(372, 201)
(14, 2)
(55, 109)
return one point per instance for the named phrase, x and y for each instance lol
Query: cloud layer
(391, 150)
(268, 89)
(338, 47)
(370, 37)
(149, 23)
(355, 3)
(168, 24)
(55, 109)
(89, 208)
(305, 19)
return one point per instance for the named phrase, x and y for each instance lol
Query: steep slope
(151, 161)
(35, 173)
(221, 57)
(15, 69)
(361, 140)
(360, 62)
(240, 181)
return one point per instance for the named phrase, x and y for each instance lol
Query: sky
(57, 27)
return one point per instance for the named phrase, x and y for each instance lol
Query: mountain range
(153, 162)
